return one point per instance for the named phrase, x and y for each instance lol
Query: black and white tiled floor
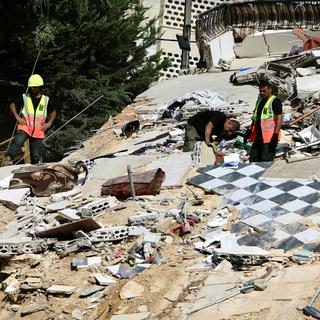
(287, 212)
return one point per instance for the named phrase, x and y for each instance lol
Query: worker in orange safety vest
(34, 117)
(266, 125)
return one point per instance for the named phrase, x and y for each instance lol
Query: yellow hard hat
(35, 81)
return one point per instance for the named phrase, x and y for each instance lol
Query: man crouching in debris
(203, 125)
(266, 125)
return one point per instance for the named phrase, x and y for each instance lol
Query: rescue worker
(34, 117)
(203, 125)
(266, 125)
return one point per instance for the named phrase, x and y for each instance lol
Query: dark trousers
(191, 138)
(261, 151)
(17, 143)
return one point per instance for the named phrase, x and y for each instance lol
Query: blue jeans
(19, 140)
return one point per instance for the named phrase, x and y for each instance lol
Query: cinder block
(94, 208)
(9, 249)
(146, 219)
(109, 234)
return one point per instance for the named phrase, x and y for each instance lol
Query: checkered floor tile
(279, 207)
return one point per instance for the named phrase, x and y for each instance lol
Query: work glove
(246, 136)
(213, 146)
(273, 142)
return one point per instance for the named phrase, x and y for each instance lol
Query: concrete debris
(96, 207)
(246, 222)
(85, 262)
(90, 291)
(13, 248)
(130, 290)
(60, 289)
(109, 234)
(13, 198)
(104, 280)
(33, 308)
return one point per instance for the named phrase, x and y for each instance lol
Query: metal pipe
(133, 192)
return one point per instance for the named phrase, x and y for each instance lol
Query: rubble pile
(142, 230)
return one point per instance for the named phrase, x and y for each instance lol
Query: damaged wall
(247, 17)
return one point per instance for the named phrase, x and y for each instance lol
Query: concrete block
(89, 291)
(60, 289)
(65, 247)
(14, 248)
(94, 208)
(146, 219)
(109, 234)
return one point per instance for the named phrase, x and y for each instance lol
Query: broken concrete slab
(104, 280)
(60, 205)
(61, 289)
(181, 162)
(33, 308)
(67, 229)
(89, 291)
(65, 195)
(302, 170)
(69, 214)
(13, 198)
(131, 289)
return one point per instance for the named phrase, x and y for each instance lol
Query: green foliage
(88, 48)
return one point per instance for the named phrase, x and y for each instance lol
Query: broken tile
(269, 193)
(309, 235)
(251, 169)
(85, 262)
(301, 191)
(263, 206)
(256, 220)
(295, 205)
(288, 218)
(244, 182)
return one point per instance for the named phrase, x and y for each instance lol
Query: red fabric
(145, 183)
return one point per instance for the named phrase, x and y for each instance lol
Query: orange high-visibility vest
(267, 121)
(35, 119)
